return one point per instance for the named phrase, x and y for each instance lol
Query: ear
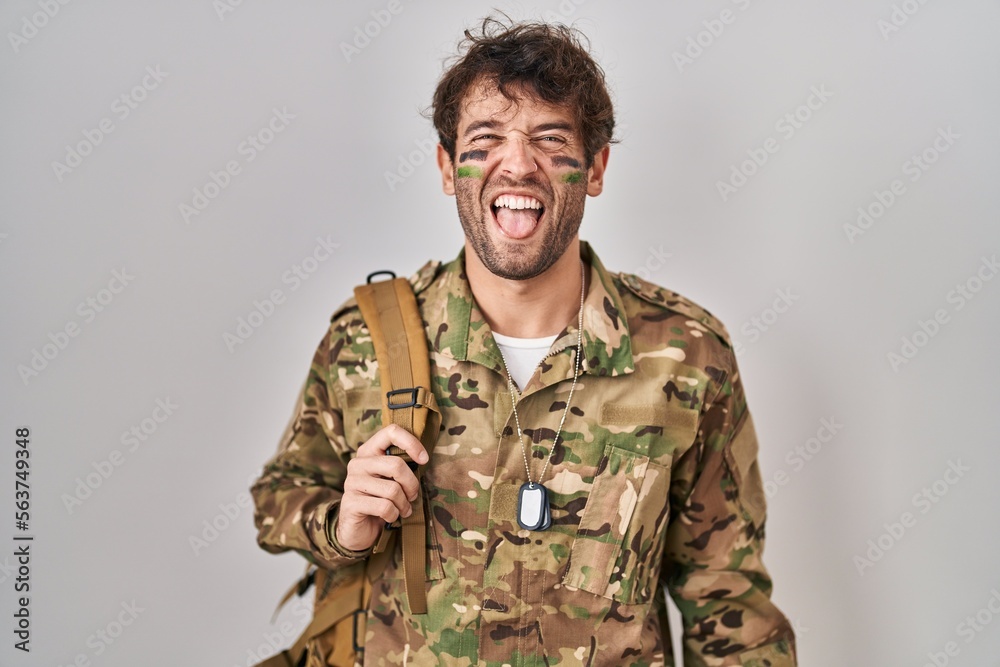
(595, 175)
(447, 171)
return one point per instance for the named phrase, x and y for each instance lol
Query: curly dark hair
(548, 61)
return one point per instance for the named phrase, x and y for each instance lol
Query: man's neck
(534, 308)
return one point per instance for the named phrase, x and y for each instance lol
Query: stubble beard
(511, 262)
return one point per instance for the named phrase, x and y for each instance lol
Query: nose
(518, 160)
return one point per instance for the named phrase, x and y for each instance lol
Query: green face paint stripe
(573, 177)
(469, 172)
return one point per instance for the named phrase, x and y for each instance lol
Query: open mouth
(517, 215)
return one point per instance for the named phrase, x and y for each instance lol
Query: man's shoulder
(420, 281)
(646, 302)
(347, 350)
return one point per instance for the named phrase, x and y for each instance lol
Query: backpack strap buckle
(412, 392)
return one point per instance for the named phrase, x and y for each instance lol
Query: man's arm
(302, 484)
(316, 489)
(713, 567)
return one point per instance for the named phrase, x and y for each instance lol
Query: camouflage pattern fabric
(655, 482)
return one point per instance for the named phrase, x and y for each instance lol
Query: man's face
(520, 181)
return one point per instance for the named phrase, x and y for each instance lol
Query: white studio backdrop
(821, 176)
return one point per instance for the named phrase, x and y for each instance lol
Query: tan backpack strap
(345, 601)
(299, 588)
(351, 597)
(389, 308)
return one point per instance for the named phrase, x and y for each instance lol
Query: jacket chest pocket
(619, 543)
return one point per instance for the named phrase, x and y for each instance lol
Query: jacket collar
(459, 331)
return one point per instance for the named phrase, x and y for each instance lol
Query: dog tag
(548, 512)
(533, 507)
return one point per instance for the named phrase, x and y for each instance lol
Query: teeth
(516, 202)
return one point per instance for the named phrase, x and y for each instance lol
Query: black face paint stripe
(565, 161)
(473, 155)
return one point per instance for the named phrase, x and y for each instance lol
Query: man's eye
(551, 141)
(485, 137)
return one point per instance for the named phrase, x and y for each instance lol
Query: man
(564, 489)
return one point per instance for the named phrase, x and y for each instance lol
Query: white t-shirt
(523, 355)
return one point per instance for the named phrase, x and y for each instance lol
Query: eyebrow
(481, 125)
(559, 125)
(495, 125)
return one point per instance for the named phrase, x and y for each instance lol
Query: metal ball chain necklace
(533, 510)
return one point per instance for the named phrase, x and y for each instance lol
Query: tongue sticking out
(517, 223)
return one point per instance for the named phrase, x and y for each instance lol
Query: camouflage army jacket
(654, 482)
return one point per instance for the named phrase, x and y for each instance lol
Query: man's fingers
(383, 486)
(383, 508)
(364, 507)
(390, 468)
(393, 434)
(377, 487)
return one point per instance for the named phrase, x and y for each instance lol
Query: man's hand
(378, 488)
